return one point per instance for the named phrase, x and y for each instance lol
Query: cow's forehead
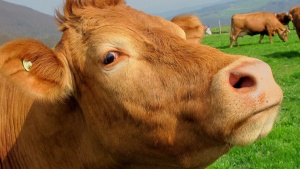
(119, 28)
(125, 17)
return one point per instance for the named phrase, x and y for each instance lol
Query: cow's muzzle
(247, 99)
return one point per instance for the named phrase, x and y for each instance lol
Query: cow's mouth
(255, 126)
(267, 108)
(269, 115)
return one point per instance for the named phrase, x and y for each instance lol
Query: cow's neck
(57, 136)
(54, 136)
(13, 112)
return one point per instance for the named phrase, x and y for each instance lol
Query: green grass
(281, 148)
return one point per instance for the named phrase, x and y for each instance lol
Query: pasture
(281, 148)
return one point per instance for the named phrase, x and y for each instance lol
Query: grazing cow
(263, 23)
(284, 18)
(125, 90)
(192, 27)
(295, 12)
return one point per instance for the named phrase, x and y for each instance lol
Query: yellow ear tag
(27, 65)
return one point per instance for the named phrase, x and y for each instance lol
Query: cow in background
(263, 23)
(284, 18)
(295, 12)
(192, 27)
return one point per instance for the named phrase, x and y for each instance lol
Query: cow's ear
(33, 67)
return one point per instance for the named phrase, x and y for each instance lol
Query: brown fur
(192, 27)
(295, 12)
(48, 80)
(284, 18)
(162, 103)
(263, 23)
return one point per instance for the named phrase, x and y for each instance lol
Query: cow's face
(283, 34)
(151, 97)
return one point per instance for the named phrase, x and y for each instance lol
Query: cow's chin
(254, 127)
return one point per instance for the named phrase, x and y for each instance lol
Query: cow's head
(284, 17)
(149, 98)
(283, 33)
(191, 25)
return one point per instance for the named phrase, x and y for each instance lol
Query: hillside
(223, 11)
(19, 21)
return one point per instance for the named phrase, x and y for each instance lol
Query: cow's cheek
(150, 112)
(129, 113)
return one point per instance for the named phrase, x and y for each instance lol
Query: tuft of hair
(73, 8)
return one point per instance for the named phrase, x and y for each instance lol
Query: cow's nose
(245, 77)
(254, 78)
(247, 82)
(246, 100)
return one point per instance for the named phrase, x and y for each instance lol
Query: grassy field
(281, 148)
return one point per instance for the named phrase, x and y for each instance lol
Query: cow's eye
(110, 57)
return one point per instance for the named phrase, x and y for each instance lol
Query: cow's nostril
(241, 82)
(244, 82)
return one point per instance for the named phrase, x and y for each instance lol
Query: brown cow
(192, 27)
(263, 23)
(295, 12)
(284, 18)
(125, 90)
